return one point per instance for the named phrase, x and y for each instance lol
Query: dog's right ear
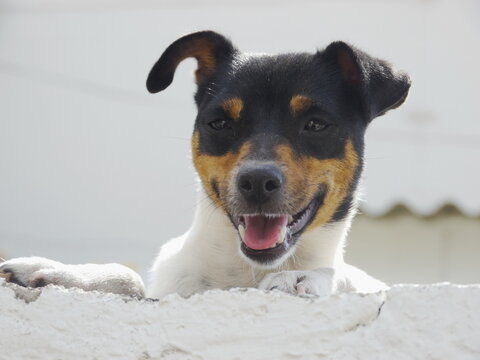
(208, 47)
(375, 84)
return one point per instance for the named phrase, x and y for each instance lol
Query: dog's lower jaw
(208, 256)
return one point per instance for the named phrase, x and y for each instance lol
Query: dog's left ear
(378, 85)
(208, 47)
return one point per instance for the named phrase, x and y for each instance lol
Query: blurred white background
(95, 169)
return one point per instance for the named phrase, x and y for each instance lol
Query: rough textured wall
(407, 322)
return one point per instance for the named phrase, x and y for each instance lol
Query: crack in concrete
(370, 321)
(172, 351)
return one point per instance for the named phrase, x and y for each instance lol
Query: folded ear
(378, 85)
(208, 47)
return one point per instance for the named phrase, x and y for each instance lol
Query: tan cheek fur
(305, 174)
(216, 168)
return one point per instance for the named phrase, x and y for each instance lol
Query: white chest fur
(208, 256)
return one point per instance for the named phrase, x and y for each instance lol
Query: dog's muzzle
(267, 227)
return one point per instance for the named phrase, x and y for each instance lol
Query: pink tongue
(262, 232)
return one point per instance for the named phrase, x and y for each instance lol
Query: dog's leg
(322, 281)
(38, 272)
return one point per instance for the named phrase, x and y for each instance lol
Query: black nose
(259, 183)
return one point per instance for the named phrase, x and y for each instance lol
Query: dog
(278, 146)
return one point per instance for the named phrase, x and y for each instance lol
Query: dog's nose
(259, 183)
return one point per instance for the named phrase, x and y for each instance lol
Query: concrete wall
(94, 169)
(408, 322)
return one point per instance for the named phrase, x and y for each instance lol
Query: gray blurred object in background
(94, 169)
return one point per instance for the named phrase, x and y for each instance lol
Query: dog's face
(278, 140)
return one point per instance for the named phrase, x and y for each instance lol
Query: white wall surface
(402, 247)
(408, 322)
(94, 169)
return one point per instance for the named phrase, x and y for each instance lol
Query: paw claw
(301, 289)
(312, 282)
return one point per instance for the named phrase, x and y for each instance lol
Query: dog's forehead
(269, 94)
(273, 64)
(263, 78)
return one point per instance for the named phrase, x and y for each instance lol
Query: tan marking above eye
(233, 107)
(217, 168)
(305, 174)
(300, 104)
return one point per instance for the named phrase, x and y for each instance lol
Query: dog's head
(278, 139)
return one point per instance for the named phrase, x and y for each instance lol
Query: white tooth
(290, 218)
(241, 230)
(282, 235)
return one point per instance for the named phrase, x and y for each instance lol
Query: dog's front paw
(29, 271)
(38, 272)
(318, 282)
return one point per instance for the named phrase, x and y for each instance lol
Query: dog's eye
(316, 125)
(219, 124)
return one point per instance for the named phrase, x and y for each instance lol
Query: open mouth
(267, 237)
